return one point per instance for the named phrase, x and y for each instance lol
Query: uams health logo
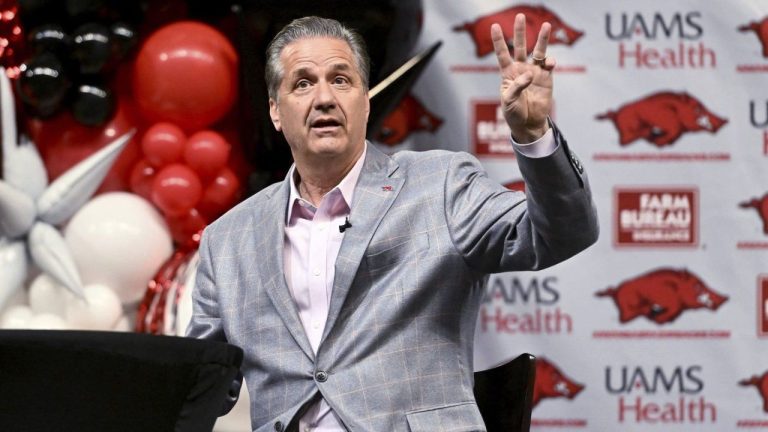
(515, 305)
(409, 116)
(656, 217)
(662, 295)
(653, 395)
(660, 40)
(535, 16)
(662, 118)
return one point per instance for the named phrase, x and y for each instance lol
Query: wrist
(529, 135)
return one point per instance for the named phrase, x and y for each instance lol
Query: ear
(274, 114)
(368, 106)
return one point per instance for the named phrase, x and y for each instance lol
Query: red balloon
(186, 73)
(206, 152)
(63, 142)
(176, 189)
(221, 194)
(163, 143)
(184, 227)
(142, 176)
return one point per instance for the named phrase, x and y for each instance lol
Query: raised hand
(526, 86)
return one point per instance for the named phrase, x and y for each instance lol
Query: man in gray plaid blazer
(354, 285)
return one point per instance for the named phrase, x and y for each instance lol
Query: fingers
(518, 41)
(516, 86)
(500, 46)
(540, 50)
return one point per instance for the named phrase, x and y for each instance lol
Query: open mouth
(325, 124)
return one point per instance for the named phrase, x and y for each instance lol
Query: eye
(302, 84)
(341, 80)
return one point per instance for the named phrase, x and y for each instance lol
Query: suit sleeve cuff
(542, 147)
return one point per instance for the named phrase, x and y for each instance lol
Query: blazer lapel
(375, 192)
(276, 287)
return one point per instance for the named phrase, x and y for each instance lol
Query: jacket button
(279, 426)
(321, 376)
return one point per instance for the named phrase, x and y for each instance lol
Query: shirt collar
(346, 186)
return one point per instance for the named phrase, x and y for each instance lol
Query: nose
(325, 99)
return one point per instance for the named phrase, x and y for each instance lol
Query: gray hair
(308, 28)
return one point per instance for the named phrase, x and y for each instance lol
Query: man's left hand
(526, 85)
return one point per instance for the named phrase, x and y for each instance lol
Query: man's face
(322, 107)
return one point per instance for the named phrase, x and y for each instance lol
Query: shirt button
(317, 272)
(321, 228)
(321, 376)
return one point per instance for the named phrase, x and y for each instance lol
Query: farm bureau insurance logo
(661, 119)
(658, 41)
(490, 131)
(656, 216)
(479, 30)
(552, 383)
(661, 296)
(516, 305)
(660, 394)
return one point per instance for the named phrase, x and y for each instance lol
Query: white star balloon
(31, 209)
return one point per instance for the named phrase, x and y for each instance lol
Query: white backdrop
(699, 153)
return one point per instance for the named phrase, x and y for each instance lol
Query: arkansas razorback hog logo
(761, 30)
(761, 382)
(517, 185)
(409, 116)
(662, 295)
(535, 16)
(761, 205)
(662, 118)
(552, 383)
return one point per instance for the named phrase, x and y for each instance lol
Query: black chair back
(108, 381)
(504, 394)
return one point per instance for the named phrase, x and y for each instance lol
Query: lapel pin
(386, 188)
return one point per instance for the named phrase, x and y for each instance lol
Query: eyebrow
(305, 71)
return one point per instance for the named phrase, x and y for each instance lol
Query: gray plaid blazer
(396, 353)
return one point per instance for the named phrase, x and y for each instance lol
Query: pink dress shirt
(312, 242)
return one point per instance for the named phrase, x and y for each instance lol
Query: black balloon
(85, 8)
(43, 84)
(91, 48)
(49, 37)
(93, 104)
(123, 39)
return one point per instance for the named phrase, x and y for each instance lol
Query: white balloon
(17, 211)
(50, 252)
(118, 239)
(13, 262)
(47, 296)
(26, 171)
(47, 321)
(123, 325)
(100, 310)
(16, 317)
(72, 189)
